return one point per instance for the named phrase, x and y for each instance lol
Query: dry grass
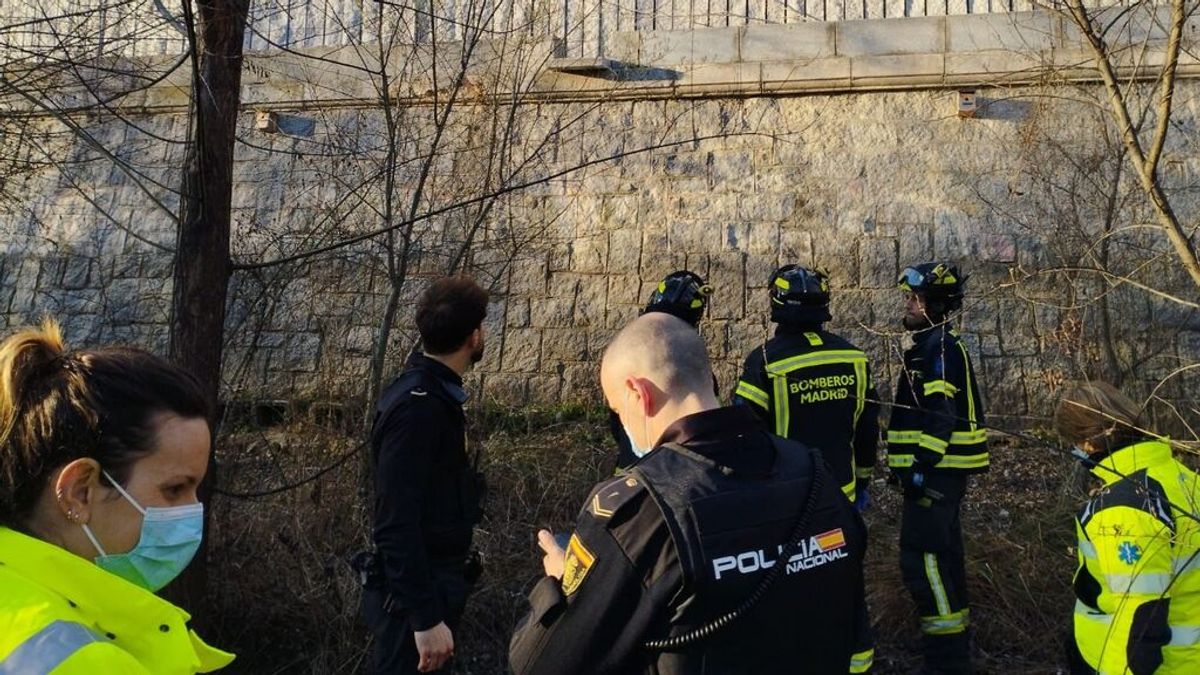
(285, 601)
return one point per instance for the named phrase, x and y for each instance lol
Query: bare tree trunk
(202, 263)
(1146, 163)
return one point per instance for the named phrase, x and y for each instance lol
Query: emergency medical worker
(1137, 589)
(936, 439)
(101, 453)
(681, 294)
(724, 550)
(812, 386)
(428, 492)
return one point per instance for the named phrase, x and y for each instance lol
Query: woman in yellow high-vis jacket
(1137, 589)
(101, 452)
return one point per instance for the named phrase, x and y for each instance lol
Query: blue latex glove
(914, 483)
(862, 499)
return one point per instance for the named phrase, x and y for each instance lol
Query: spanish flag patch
(831, 540)
(576, 565)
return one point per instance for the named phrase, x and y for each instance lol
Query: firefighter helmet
(799, 295)
(938, 282)
(682, 294)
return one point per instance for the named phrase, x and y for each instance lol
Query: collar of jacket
(134, 615)
(924, 336)
(1131, 459)
(789, 328)
(451, 380)
(729, 436)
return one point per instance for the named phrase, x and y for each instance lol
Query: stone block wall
(729, 187)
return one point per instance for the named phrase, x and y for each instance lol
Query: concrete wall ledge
(1017, 48)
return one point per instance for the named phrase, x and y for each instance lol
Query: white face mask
(633, 444)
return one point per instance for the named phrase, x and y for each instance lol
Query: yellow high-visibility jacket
(1137, 588)
(62, 614)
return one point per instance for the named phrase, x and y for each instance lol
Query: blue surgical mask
(633, 445)
(1084, 458)
(169, 540)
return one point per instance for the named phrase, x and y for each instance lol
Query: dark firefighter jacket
(815, 387)
(427, 492)
(687, 536)
(937, 419)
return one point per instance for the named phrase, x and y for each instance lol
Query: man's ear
(76, 489)
(641, 390)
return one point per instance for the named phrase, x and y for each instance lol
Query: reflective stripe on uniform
(862, 661)
(860, 390)
(1186, 565)
(782, 412)
(48, 648)
(956, 437)
(903, 437)
(900, 461)
(1088, 549)
(936, 585)
(753, 394)
(1184, 636)
(934, 443)
(784, 366)
(940, 387)
(970, 397)
(849, 489)
(949, 624)
(1143, 583)
(1082, 611)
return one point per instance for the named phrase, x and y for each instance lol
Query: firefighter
(812, 386)
(682, 294)
(724, 550)
(936, 439)
(1137, 588)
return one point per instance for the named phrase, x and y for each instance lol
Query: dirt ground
(283, 598)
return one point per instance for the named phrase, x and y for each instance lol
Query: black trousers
(395, 651)
(934, 572)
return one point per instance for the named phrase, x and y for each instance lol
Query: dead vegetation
(283, 598)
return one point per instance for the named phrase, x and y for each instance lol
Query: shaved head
(663, 349)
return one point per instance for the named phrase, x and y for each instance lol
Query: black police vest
(456, 490)
(730, 530)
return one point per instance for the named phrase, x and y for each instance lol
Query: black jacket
(937, 419)
(687, 536)
(815, 387)
(427, 491)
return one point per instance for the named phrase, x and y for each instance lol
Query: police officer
(682, 294)
(724, 550)
(813, 386)
(427, 491)
(936, 439)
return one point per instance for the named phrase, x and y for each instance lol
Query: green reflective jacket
(62, 614)
(1137, 588)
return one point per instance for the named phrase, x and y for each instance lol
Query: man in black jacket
(427, 491)
(724, 550)
(936, 439)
